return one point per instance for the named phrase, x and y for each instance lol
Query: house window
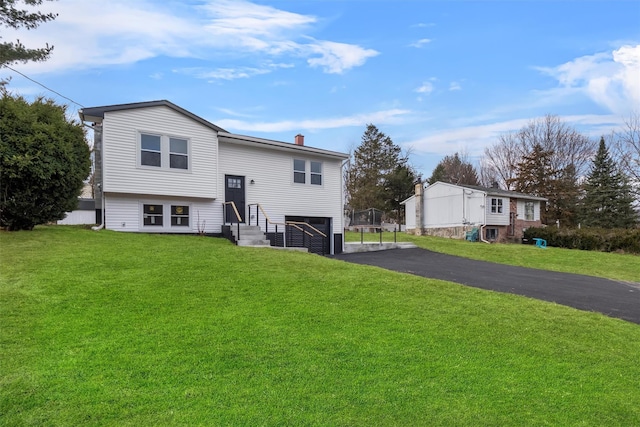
(491, 234)
(164, 152)
(150, 150)
(528, 211)
(316, 173)
(152, 215)
(299, 171)
(234, 183)
(178, 153)
(496, 205)
(179, 216)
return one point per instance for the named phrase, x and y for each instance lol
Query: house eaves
(504, 193)
(96, 114)
(232, 138)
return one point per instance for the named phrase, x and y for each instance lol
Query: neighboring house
(160, 168)
(450, 210)
(84, 214)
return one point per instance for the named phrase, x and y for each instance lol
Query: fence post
(361, 235)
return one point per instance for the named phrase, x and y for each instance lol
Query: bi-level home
(449, 210)
(162, 169)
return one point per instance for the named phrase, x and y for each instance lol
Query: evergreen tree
(378, 175)
(11, 16)
(454, 170)
(608, 201)
(536, 175)
(43, 162)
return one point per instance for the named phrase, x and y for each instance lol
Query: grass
(625, 267)
(105, 328)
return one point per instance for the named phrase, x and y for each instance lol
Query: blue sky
(436, 76)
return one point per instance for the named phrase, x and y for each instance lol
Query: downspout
(101, 226)
(485, 221)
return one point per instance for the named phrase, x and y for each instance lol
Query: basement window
(491, 234)
(152, 215)
(179, 216)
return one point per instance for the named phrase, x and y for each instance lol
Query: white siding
(124, 213)
(410, 212)
(273, 187)
(498, 218)
(447, 205)
(120, 148)
(78, 218)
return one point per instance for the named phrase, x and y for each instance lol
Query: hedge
(588, 239)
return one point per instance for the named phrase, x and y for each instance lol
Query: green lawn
(106, 328)
(624, 267)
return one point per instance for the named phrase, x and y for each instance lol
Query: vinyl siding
(449, 206)
(121, 130)
(274, 189)
(124, 213)
(498, 218)
(410, 212)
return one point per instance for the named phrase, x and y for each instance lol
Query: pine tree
(12, 16)
(454, 170)
(608, 201)
(378, 175)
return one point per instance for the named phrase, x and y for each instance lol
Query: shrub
(589, 239)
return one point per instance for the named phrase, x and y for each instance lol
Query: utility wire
(47, 88)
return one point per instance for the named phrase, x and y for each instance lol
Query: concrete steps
(250, 235)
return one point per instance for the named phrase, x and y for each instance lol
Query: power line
(47, 88)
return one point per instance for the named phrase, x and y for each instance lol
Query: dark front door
(234, 192)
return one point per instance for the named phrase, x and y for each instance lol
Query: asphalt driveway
(615, 299)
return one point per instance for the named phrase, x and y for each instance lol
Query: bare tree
(500, 161)
(570, 148)
(626, 147)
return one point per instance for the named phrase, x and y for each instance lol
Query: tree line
(586, 182)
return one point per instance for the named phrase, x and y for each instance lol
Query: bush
(588, 239)
(44, 160)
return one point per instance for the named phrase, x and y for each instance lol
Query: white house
(451, 210)
(160, 168)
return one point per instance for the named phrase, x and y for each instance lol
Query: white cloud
(474, 138)
(454, 86)
(427, 87)
(610, 79)
(336, 58)
(230, 73)
(420, 43)
(87, 34)
(392, 116)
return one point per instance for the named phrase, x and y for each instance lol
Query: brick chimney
(299, 139)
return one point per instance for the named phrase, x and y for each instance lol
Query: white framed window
(179, 216)
(491, 234)
(316, 173)
(528, 211)
(299, 171)
(166, 216)
(150, 150)
(496, 205)
(163, 152)
(152, 215)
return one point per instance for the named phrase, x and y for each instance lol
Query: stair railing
(237, 214)
(300, 226)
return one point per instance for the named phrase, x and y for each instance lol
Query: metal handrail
(235, 210)
(294, 224)
(308, 225)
